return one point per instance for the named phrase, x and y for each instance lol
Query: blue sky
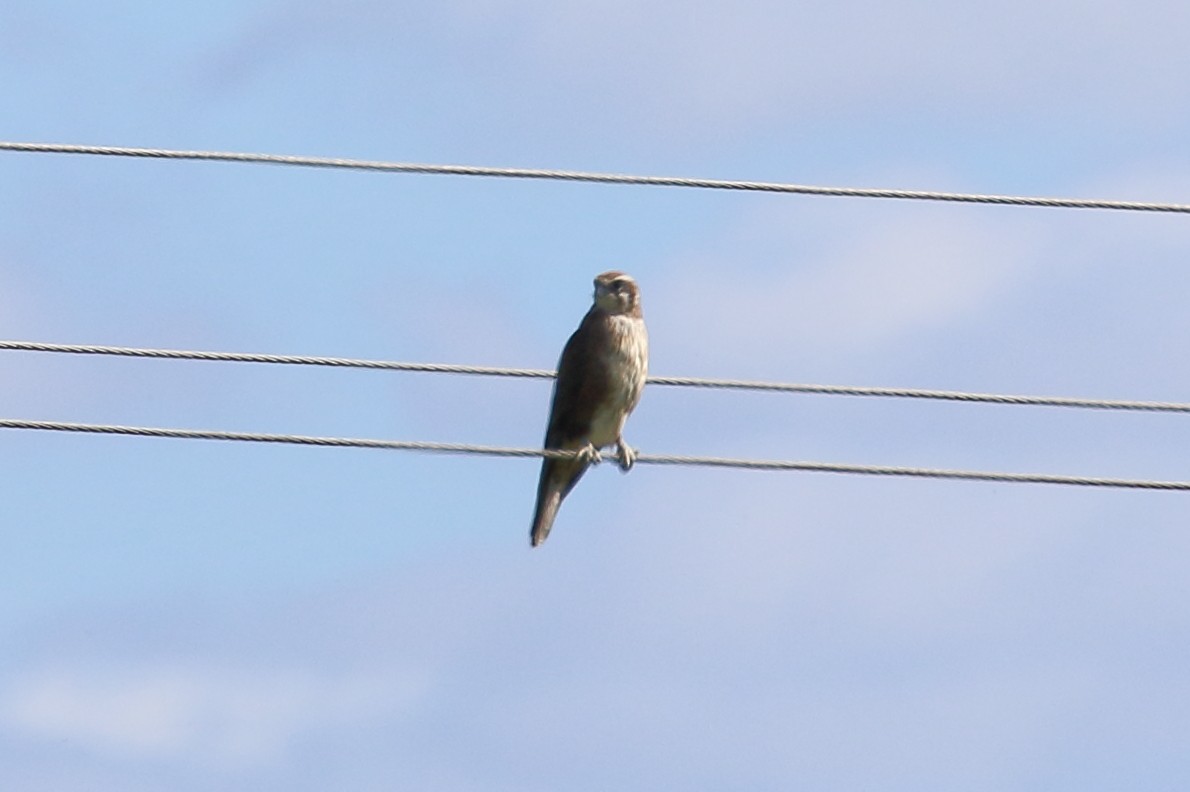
(187, 615)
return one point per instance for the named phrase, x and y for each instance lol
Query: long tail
(558, 477)
(543, 516)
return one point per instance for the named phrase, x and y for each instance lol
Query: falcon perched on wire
(600, 379)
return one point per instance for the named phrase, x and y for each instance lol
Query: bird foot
(627, 455)
(589, 455)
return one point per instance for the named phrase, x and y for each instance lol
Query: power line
(920, 393)
(646, 459)
(293, 360)
(688, 382)
(584, 176)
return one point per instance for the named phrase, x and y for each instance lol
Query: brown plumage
(600, 378)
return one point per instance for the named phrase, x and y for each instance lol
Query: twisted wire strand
(688, 382)
(585, 176)
(646, 459)
(292, 360)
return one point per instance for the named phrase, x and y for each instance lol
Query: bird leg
(627, 455)
(589, 455)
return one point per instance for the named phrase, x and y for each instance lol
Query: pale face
(616, 292)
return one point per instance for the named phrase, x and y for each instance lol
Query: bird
(601, 375)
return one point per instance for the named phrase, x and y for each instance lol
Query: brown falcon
(600, 378)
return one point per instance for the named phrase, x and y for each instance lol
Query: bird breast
(627, 364)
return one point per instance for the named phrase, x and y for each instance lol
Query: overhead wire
(688, 382)
(606, 178)
(641, 458)
(593, 177)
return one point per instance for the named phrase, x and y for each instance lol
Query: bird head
(617, 293)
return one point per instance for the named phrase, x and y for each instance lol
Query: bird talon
(627, 456)
(590, 455)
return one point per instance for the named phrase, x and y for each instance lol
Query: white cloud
(790, 284)
(187, 712)
(729, 65)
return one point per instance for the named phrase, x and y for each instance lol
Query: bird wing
(581, 386)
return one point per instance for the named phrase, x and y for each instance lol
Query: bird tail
(543, 518)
